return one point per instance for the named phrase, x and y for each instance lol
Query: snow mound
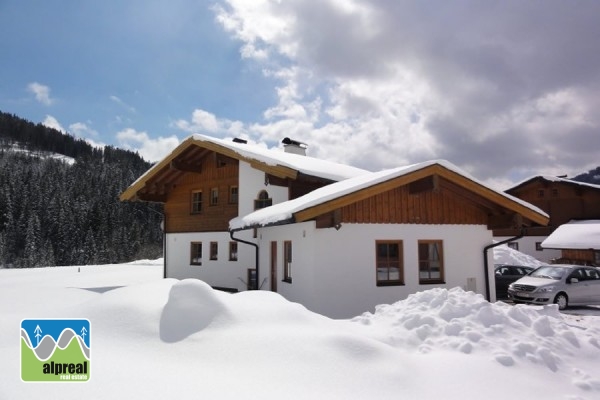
(442, 319)
(505, 255)
(191, 307)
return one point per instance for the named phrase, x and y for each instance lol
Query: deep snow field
(154, 338)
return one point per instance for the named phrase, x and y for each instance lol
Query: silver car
(560, 284)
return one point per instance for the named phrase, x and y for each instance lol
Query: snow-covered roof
(283, 212)
(575, 235)
(270, 160)
(550, 178)
(304, 164)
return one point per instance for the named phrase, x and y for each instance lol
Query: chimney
(238, 140)
(294, 146)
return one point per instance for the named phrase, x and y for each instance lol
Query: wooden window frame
(196, 203)
(214, 196)
(425, 264)
(287, 261)
(387, 263)
(513, 245)
(214, 251)
(233, 251)
(196, 253)
(234, 198)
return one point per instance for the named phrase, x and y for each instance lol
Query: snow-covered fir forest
(59, 200)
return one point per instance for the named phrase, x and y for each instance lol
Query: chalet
(564, 200)
(337, 239)
(578, 241)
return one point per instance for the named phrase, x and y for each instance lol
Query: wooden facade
(581, 257)
(212, 217)
(433, 195)
(561, 199)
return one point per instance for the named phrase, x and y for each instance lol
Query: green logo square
(55, 350)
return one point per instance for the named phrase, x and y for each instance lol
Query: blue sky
(506, 90)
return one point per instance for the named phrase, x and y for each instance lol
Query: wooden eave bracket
(185, 167)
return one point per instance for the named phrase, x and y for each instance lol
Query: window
(538, 246)
(541, 193)
(214, 196)
(513, 245)
(233, 195)
(389, 263)
(263, 200)
(287, 261)
(196, 201)
(555, 192)
(196, 253)
(233, 249)
(597, 258)
(214, 250)
(431, 261)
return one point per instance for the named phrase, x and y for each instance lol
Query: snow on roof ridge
(305, 164)
(283, 211)
(552, 178)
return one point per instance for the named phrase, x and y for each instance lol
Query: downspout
(256, 255)
(164, 227)
(485, 260)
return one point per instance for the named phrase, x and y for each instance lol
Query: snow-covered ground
(154, 338)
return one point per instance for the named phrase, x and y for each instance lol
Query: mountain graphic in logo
(55, 350)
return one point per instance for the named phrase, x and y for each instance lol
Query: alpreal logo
(55, 350)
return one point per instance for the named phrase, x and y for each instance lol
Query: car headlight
(546, 289)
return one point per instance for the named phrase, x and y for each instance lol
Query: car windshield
(549, 273)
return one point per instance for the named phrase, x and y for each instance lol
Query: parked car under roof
(563, 284)
(507, 274)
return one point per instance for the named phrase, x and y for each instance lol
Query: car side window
(521, 271)
(592, 274)
(579, 274)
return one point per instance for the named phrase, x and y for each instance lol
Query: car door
(577, 291)
(593, 285)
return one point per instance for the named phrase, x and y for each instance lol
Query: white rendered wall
(251, 182)
(220, 272)
(527, 246)
(333, 272)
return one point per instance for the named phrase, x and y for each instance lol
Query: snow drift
(162, 338)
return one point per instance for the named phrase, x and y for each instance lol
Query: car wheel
(562, 300)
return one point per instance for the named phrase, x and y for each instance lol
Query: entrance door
(273, 266)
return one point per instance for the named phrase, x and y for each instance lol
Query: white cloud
(151, 149)
(80, 129)
(41, 92)
(121, 103)
(53, 123)
(502, 91)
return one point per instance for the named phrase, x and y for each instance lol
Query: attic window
(541, 193)
(554, 192)
(263, 200)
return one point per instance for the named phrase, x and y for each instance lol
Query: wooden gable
(561, 199)
(432, 195)
(188, 157)
(211, 175)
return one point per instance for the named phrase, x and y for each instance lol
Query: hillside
(592, 176)
(59, 200)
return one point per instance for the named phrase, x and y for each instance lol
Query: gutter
(256, 265)
(485, 260)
